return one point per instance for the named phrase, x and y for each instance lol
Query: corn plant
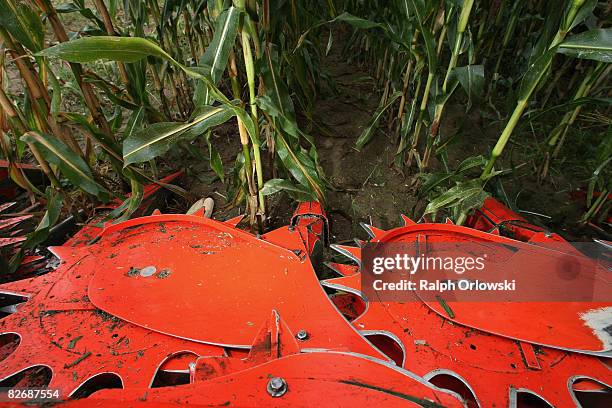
(578, 47)
(597, 203)
(163, 95)
(441, 46)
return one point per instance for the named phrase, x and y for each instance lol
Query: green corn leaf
(72, 166)
(169, 14)
(407, 127)
(67, 8)
(472, 200)
(594, 45)
(583, 13)
(357, 22)
(112, 95)
(535, 73)
(125, 210)
(288, 125)
(217, 53)
(570, 105)
(56, 98)
(295, 191)
(301, 166)
(132, 203)
(276, 89)
(116, 120)
(237, 190)
(23, 23)
(200, 73)
(471, 78)
(134, 123)
(434, 180)
(368, 132)
(594, 178)
(54, 207)
(466, 195)
(132, 49)
(157, 139)
(247, 121)
(109, 145)
(89, 49)
(214, 8)
(330, 41)
(216, 164)
(277, 102)
(345, 17)
(301, 74)
(470, 163)
(134, 200)
(419, 10)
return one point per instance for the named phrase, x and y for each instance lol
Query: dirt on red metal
(172, 309)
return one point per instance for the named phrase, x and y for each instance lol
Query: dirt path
(367, 189)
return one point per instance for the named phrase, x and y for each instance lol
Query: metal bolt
(277, 387)
(302, 335)
(148, 271)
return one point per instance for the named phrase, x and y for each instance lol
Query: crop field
(376, 110)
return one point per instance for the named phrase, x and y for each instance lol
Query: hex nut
(277, 387)
(302, 335)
